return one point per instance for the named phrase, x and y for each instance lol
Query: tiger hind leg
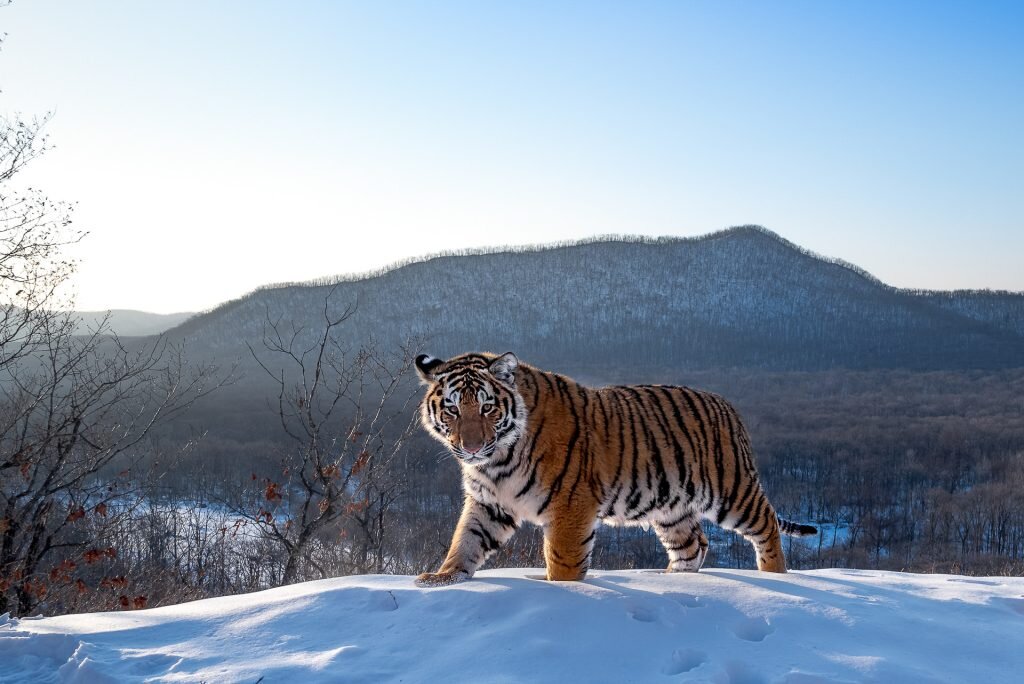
(759, 525)
(685, 543)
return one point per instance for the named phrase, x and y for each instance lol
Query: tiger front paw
(441, 579)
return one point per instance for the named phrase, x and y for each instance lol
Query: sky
(213, 147)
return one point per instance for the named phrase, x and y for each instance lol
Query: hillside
(739, 298)
(1003, 310)
(735, 626)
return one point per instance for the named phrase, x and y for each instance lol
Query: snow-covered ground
(728, 626)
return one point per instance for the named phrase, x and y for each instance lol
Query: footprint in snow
(684, 660)
(752, 629)
(641, 613)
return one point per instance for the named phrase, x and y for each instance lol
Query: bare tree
(71, 407)
(67, 412)
(346, 414)
(33, 233)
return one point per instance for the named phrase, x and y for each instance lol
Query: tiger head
(472, 404)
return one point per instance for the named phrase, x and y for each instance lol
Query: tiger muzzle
(471, 438)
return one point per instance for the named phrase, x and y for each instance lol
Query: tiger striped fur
(538, 447)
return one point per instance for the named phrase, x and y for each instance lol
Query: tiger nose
(471, 447)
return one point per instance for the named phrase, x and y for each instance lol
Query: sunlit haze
(216, 147)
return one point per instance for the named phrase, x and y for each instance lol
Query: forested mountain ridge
(743, 297)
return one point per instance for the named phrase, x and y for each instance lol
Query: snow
(720, 625)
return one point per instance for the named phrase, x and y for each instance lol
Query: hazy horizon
(216, 148)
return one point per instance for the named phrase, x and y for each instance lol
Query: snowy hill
(727, 626)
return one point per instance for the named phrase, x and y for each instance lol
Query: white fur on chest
(507, 493)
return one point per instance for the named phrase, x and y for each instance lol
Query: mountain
(718, 625)
(129, 323)
(743, 297)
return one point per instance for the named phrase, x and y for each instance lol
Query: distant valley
(127, 322)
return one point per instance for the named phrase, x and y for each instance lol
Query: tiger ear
(426, 365)
(504, 368)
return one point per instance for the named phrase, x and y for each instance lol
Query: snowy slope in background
(721, 625)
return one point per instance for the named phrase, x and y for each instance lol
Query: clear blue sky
(216, 146)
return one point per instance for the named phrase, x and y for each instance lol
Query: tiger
(538, 447)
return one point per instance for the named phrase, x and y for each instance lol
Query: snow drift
(720, 625)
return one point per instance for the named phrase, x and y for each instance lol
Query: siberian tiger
(538, 447)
